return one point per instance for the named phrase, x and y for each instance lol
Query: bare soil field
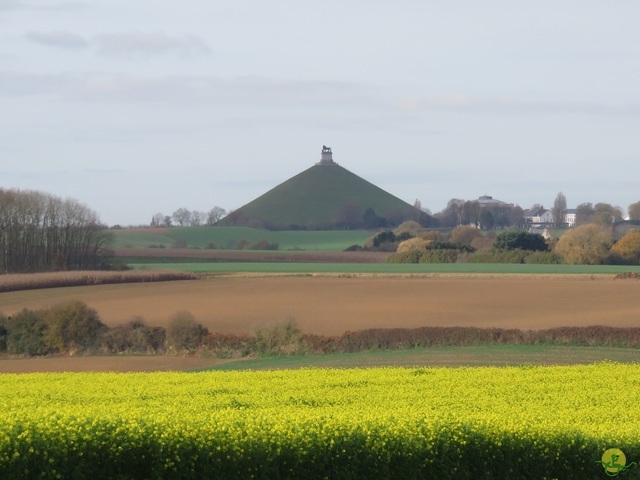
(331, 305)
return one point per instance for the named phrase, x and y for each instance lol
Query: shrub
(279, 339)
(546, 258)
(401, 237)
(588, 244)
(465, 235)
(263, 244)
(412, 256)
(72, 326)
(384, 237)
(440, 256)
(184, 333)
(442, 245)
(482, 243)
(520, 240)
(498, 256)
(243, 244)
(409, 226)
(25, 333)
(431, 236)
(413, 244)
(628, 247)
(136, 337)
(3, 333)
(224, 345)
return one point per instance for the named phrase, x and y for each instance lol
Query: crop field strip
(200, 265)
(331, 305)
(481, 423)
(474, 355)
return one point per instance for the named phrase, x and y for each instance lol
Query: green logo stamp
(614, 462)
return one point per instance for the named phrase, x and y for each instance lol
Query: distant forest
(40, 232)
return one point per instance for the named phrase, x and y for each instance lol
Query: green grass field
(387, 268)
(223, 237)
(472, 356)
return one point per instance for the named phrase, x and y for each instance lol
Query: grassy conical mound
(324, 197)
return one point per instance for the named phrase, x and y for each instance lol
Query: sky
(141, 107)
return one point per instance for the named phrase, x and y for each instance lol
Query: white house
(539, 217)
(570, 217)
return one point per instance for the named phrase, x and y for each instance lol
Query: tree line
(588, 244)
(40, 232)
(487, 217)
(183, 217)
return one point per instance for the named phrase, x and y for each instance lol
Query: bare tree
(41, 232)
(559, 208)
(584, 213)
(215, 214)
(182, 217)
(606, 214)
(197, 218)
(634, 211)
(157, 220)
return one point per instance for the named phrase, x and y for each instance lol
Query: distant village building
(538, 218)
(544, 218)
(486, 212)
(488, 201)
(570, 217)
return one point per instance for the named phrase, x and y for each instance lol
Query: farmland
(531, 422)
(331, 305)
(213, 238)
(481, 422)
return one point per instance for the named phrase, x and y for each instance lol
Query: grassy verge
(483, 355)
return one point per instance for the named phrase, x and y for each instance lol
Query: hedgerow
(75, 328)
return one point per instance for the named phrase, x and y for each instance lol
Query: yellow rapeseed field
(516, 422)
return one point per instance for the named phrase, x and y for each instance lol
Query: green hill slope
(324, 197)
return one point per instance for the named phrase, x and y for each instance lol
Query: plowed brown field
(334, 304)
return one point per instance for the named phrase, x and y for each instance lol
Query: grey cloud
(10, 5)
(24, 84)
(462, 103)
(250, 92)
(34, 5)
(253, 92)
(129, 44)
(149, 44)
(58, 39)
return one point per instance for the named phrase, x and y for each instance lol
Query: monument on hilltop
(326, 157)
(325, 196)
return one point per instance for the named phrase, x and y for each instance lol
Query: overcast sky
(139, 107)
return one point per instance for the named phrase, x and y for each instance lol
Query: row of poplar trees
(41, 232)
